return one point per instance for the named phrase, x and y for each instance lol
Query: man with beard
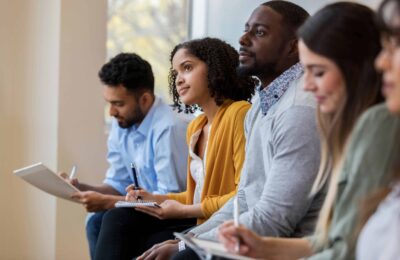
(145, 132)
(282, 143)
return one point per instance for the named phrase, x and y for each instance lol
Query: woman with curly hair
(202, 76)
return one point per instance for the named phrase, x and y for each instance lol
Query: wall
(225, 19)
(51, 110)
(81, 138)
(28, 105)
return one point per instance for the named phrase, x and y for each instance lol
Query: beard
(254, 69)
(136, 118)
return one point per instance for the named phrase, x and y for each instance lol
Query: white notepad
(48, 181)
(130, 204)
(205, 249)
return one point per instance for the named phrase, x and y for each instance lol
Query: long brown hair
(347, 34)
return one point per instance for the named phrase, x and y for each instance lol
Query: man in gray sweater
(282, 149)
(282, 144)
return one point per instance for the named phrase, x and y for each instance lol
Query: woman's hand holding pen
(250, 243)
(169, 209)
(134, 194)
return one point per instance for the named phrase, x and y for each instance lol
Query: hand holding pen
(133, 194)
(236, 238)
(251, 244)
(71, 178)
(134, 187)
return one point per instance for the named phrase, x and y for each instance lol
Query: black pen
(135, 180)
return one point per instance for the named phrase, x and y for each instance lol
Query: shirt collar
(274, 91)
(145, 125)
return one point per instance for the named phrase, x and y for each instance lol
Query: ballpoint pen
(73, 171)
(135, 180)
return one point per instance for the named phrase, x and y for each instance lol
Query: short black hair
(293, 15)
(223, 81)
(129, 70)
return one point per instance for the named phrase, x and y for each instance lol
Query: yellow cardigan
(224, 161)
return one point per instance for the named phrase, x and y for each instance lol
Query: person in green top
(384, 204)
(344, 35)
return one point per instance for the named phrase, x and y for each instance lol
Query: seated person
(282, 142)
(203, 75)
(339, 59)
(380, 237)
(145, 131)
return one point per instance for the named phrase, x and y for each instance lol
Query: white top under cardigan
(197, 166)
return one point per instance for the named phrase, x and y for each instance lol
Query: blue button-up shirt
(157, 147)
(273, 92)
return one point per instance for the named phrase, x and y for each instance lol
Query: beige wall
(81, 108)
(51, 110)
(29, 77)
(225, 19)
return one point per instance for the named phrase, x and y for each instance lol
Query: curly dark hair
(129, 70)
(223, 81)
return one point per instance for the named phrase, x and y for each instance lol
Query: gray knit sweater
(282, 159)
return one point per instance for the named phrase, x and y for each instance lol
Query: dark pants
(126, 233)
(93, 225)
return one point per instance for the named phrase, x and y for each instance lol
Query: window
(150, 28)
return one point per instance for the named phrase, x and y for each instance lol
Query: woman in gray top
(338, 46)
(380, 237)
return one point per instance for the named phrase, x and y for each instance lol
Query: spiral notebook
(130, 204)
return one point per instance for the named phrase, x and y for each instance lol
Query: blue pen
(135, 180)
